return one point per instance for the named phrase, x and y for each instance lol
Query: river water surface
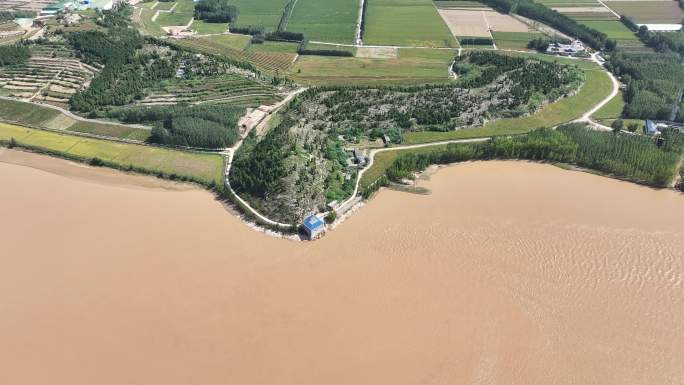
(508, 273)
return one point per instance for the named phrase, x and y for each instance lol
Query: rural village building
(314, 227)
(571, 49)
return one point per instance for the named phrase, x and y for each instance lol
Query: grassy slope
(330, 21)
(406, 22)
(203, 168)
(596, 88)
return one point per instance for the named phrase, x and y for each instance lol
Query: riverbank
(160, 286)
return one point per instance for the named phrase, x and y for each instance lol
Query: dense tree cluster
(664, 42)
(14, 54)
(631, 157)
(216, 11)
(629, 23)
(654, 83)
(476, 41)
(205, 126)
(127, 73)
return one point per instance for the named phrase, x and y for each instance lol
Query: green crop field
(411, 66)
(329, 21)
(596, 87)
(201, 167)
(111, 130)
(266, 13)
(275, 46)
(234, 46)
(26, 113)
(613, 28)
(406, 23)
(204, 28)
(514, 40)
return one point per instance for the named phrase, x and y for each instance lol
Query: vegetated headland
(197, 103)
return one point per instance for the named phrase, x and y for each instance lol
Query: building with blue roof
(313, 226)
(651, 128)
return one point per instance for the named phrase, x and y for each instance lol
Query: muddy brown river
(508, 273)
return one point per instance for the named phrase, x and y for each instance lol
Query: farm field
(330, 21)
(662, 12)
(514, 40)
(200, 167)
(226, 89)
(480, 22)
(46, 78)
(590, 12)
(406, 23)
(235, 46)
(266, 13)
(465, 22)
(204, 28)
(613, 29)
(411, 66)
(275, 46)
(596, 87)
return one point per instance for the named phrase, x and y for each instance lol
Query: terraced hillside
(227, 89)
(52, 75)
(235, 46)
